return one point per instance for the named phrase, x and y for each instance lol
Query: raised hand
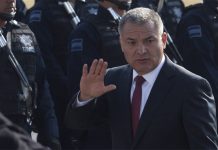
(92, 82)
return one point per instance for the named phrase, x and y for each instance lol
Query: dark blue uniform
(52, 26)
(23, 45)
(197, 39)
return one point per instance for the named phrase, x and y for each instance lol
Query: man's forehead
(137, 32)
(136, 29)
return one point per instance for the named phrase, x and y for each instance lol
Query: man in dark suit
(177, 108)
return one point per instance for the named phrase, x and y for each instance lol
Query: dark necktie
(136, 102)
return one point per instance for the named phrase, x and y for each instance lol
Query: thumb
(109, 88)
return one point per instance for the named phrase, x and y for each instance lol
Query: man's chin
(7, 17)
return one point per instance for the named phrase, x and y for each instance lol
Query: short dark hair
(141, 16)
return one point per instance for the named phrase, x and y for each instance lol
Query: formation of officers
(54, 39)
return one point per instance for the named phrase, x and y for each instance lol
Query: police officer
(97, 37)
(171, 13)
(24, 93)
(197, 39)
(52, 24)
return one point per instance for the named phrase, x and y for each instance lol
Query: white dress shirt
(150, 78)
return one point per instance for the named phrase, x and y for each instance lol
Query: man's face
(142, 46)
(8, 7)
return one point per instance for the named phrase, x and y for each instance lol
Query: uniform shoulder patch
(194, 31)
(76, 45)
(35, 16)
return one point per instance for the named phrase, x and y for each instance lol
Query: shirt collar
(151, 76)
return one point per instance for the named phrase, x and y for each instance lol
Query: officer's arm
(48, 132)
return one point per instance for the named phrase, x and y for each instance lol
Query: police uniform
(197, 39)
(23, 45)
(52, 26)
(95, 37)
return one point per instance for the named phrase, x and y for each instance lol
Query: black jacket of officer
(197, 40)
(51, 24)
(23, 44)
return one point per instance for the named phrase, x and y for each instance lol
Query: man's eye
(131, 42)
(149, 41)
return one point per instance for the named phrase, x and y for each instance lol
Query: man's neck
(120, 12)
(2, 23)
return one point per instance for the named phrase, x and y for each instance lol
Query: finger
(99, 67)
(93, 66)
(109, 88)
(103, 69)
(85, 70)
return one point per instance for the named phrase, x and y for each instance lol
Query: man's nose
(142, 48)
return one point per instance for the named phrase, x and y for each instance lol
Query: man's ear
(121, 42)
(164, 39)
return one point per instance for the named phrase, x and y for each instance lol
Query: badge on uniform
(178, 13)
(194, 31)
(35, 16)
(76, 45)
(27, 43)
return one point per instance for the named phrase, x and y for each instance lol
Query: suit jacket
(179, 113)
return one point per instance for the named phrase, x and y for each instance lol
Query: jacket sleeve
(45, 115)
(199, 116)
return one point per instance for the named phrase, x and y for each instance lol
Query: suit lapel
(156, 97)
(124, 94)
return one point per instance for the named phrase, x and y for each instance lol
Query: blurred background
(29, 3)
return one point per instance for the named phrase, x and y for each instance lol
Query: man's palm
(92, 82)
